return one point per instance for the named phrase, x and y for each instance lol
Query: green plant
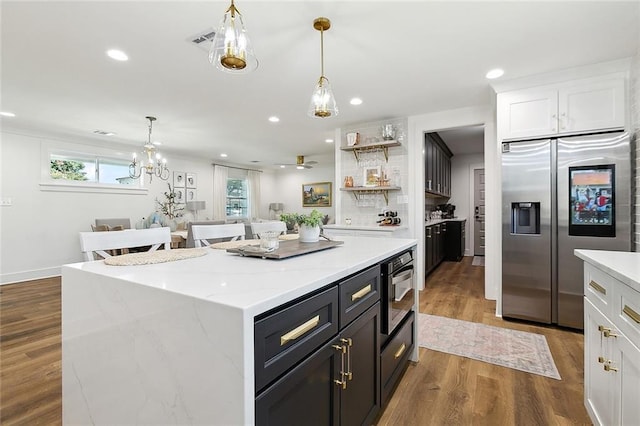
(312, 219)
(170, 207)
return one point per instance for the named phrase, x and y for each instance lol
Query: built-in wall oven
(398, 295)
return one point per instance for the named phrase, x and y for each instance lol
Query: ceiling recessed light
(328, 140)
(274, 119)
(300, 167)
(356, 101)
(223, 155)
(157, 143)
(495, 73)
(7, 114)
(118, 55)
(282, 166)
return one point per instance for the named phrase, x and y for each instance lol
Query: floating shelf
(357, 191)
(380, 146)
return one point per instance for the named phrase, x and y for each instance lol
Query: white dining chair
(259, 227)
(100, 242)
(203, 233)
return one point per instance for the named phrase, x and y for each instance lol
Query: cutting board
(287, 249)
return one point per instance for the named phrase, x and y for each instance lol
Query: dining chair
(259, 227)
(101, 243)
(189, 243)
(203, 233)
(125, 222)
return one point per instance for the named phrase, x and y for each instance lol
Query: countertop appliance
(448, 211)
(398, 295)
(559, 195)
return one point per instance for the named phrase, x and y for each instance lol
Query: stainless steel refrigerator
(559, 195)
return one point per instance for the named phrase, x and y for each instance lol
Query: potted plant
(308, 224)
(170, 208)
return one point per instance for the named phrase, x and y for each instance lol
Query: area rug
(520, 350)
(478, 261)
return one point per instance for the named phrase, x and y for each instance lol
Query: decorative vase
(309, 234)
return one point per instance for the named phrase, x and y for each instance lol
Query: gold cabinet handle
(400, 351)
(601, 359)
(347, 344)
(299, 331)
(608, 367)
(361, 293)
(631, 314)
(342, 382)
(608, 333)
(597, 287)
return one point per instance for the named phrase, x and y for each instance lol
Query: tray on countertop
(287, 249)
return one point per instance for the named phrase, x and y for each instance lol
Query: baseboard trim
(37, 274)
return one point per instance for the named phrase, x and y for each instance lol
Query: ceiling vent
(203, 39)
(103, 133)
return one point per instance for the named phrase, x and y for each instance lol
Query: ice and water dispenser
(525, 218)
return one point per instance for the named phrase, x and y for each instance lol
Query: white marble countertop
(254, 285)
(437, 221)
(366, 227)
(622, 265)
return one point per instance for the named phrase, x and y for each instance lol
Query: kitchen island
(173, 343)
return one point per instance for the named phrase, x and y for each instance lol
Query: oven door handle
(406, 275)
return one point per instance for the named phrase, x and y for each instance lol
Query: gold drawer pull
(400, 351)
(299, 330)
(597, 287)
(601, 359)
(361, 293)
(608, 367)
(631, 313)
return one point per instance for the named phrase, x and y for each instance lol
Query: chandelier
(231, 50)
(156, 165)
(323, 104)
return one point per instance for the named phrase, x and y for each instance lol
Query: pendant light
(323, 104)
(231, 50)
(159, 168)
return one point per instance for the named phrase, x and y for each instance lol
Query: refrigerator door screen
(591, 201)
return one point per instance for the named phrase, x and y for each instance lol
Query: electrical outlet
(403, 199)
(5, 202)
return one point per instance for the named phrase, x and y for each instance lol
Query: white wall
(39, 232)
(462, 192)
(287, 186)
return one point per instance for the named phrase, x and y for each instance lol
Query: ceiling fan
(301, 164)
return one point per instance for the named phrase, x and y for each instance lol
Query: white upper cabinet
(573, 107)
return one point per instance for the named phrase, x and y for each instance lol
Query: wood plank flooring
(30, 353)
(440, 390)
(445, 389)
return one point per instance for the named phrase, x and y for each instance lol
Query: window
(71, 167)
(237, 198)
(90, 169)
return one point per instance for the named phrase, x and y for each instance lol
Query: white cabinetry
(573, 107)
(612, 357)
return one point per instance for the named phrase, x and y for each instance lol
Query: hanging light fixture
(231, 50)
(323, 104)
(159, 168)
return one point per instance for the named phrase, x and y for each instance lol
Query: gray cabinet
(435, 237)
(437, 166)
(318, 358)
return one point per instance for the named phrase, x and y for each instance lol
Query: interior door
(478, 229)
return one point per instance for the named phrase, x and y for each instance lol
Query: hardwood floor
(31, 354)
(441, 389)
(445, 389)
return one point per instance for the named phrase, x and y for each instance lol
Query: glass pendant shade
(231, 50)
(323, 103)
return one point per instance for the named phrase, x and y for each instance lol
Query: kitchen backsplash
(364, 210)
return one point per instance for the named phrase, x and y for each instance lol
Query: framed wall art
(191, 195)
(180, 194)
(316, 194)
(371, 176)
(191, 180)
(179, 179)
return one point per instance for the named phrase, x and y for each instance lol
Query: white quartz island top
(173, 343)
(622, 265)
